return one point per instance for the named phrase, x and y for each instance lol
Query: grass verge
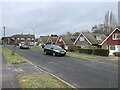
(41, 81)
(77, 55)
(12, 59)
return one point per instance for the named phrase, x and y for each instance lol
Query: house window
(116, 36)
(32, 38)
(22, 39)
(112, 47)
(28, 38)
(18, 38)
(82, 39)
(98, 37)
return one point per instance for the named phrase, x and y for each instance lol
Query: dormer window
(98, 37)
(116, 36)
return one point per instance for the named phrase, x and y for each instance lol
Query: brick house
(112, 42)
(65, 41)
(52, 39)
(88, 40)
(23, 38)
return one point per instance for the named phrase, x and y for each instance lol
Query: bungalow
(43, 39)
(89, 40)
(52, 39)
(112, 42)
(65, 41)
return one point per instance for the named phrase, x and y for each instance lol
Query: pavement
(9, 77)
(80, 73)
(11, 73)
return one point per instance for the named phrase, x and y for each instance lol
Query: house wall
(83, 44)
(110, 41)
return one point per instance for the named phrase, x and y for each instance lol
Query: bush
(100, 52)
(72, 48)
(42, 45)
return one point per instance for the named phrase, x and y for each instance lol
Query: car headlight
(64, 51)
(56, 50)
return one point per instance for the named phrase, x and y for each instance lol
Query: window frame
(112, 46)
(114, 36)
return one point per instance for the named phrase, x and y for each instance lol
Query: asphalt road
(80, 73)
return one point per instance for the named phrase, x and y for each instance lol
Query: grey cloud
(47, 18)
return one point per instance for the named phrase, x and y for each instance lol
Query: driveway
(80, 73)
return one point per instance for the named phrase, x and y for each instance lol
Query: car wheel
(54, 54)
(45, 53)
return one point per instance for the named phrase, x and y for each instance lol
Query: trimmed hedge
(72, 48)
(99, 52)
(87, 51)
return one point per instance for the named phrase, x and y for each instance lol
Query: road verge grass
(41, 81)
(80, 56)
(12, 59)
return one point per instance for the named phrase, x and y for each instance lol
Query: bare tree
(108, 26)
(14, 47)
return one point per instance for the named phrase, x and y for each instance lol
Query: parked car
(117, 54)
(54, 50)
(24, 46)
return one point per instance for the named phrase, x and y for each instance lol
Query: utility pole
(4, 35)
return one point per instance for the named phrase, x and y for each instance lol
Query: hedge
(72, 48)
(100, 52)
(87, 51)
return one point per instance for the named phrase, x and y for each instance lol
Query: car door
(51, 49)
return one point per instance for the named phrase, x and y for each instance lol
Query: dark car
(117, 54)
(24, 46)
(54, 50)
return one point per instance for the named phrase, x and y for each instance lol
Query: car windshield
(56, 47)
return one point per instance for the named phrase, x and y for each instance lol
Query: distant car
(117, 54)
(54, 50)
(24, 46)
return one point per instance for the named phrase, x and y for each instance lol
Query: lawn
(78, 55)
(12, 59)
(41, 81)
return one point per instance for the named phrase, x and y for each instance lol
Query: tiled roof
(54, 39)
(23, 36)
(44, 39)
(67, 40)
(92, 37)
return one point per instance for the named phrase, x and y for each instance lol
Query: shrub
(42, 45)
(72, 48)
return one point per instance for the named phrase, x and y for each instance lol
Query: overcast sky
(53, 17)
